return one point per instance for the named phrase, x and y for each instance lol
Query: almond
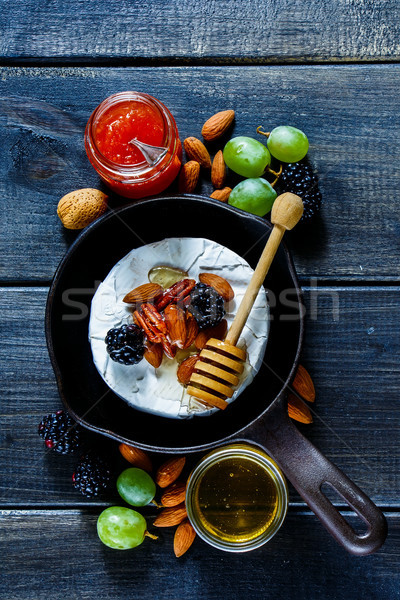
(154, 354)
(183, 538)
(222, 195)
(144, 293)
(136, 457)
(192, 330)
(186, 369)
(175, 319)
(171, 516)
(298, 410)
(169, 471)
(220, 285)
(196, 150)
(80, 208)
(189, 177)
(303, 384)
(174, 494)
(218, 332)
(216, 125)
(218, 171)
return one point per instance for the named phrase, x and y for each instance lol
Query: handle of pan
(308, 469)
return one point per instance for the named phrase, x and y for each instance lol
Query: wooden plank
(354, 362)
(352, 352)
(59, 551)
(242, 30)
(351, 115)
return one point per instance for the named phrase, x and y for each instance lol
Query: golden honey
(166, 276)
(236, 497)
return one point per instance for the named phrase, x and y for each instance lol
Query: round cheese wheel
(158, 391)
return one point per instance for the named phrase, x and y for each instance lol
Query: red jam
(120, 124)
(122, 166)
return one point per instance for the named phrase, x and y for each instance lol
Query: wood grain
(235, 30)
(354, 362)
(58, 551)
(350, 113)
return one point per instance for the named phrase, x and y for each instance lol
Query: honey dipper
(221, 362)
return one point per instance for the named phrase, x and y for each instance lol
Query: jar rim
(259, 455)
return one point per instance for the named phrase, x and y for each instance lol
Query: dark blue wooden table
(329, 68)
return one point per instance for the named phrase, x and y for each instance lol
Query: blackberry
(60, 432)
(125, 344)
(206, 305)
(92, 475)
(299, 178)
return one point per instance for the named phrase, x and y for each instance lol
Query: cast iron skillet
(259, 415)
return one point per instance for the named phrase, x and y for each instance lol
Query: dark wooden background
(328, 67)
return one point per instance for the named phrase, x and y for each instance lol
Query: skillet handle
(308, 469)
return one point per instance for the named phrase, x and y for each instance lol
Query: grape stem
(277, 174)
(266, 133)
(268, 169)
(156, 504)
(150, 535)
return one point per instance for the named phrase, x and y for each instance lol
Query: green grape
(256, 196)
(121, 528)
(136, 487)
(287, 144)
(246, 156)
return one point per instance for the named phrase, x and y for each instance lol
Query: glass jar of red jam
(123, 165)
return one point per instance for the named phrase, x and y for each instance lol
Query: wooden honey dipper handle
(286, 212)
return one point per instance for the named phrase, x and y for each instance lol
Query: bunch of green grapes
(123, 528)
(251, 159)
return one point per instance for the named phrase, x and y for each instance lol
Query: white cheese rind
(157, 390)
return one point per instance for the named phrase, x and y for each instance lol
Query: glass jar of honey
(132, 141)
(236, 498)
